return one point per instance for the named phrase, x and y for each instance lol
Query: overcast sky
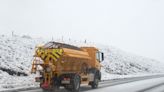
(135, 26)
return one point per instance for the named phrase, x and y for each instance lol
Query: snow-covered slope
(123, 63)
(16, 54)
(15, 61)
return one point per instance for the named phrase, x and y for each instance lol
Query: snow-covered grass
(16, 54)
(109, 76)
(123, 63)
(14, 82)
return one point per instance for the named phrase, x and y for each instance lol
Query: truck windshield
(99, 56)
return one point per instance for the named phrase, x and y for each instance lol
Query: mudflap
(45, 86)
(53, 85)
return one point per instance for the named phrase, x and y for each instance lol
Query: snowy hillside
(16, 55)
(15, 61)
(123, 63)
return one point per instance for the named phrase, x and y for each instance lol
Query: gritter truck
(60, 64)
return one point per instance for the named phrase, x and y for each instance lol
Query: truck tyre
(95, 83)
(75, 84)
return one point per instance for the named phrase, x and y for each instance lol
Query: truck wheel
(75, 84)
(95, 83)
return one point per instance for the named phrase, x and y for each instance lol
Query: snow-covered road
(149, 85)
(140, 84)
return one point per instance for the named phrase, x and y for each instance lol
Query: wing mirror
(102, 55)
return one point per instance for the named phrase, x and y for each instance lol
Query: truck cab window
(97, 56)
(100, 56)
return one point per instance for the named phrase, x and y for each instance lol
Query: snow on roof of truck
(53, 44)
